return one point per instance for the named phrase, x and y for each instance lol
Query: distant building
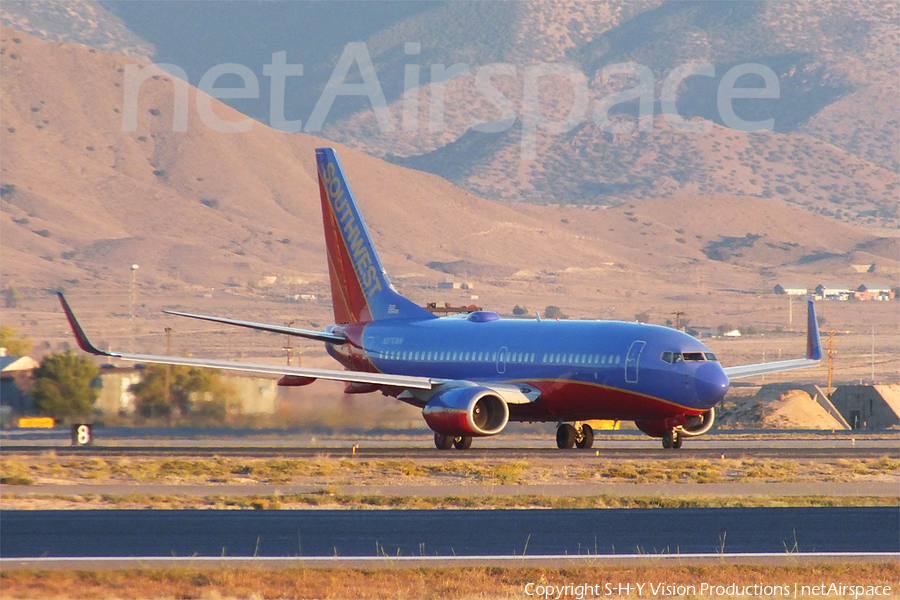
(16, 379)
(791, 289)
(831, 291)
(868, 406)
(253, 395)
(113, 397)
(454, 285)
(874, 291)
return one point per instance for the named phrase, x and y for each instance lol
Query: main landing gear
(672, 438)
(445, 442)
(578, 434)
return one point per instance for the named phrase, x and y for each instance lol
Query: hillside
(231, 224)
(834, 147)
(833, 150)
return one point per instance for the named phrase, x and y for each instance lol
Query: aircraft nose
(710, 384)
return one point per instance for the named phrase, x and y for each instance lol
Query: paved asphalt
(347, 533)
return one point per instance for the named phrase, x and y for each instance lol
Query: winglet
(813, 342)
(83, 342)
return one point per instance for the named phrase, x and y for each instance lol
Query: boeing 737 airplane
(472, 374)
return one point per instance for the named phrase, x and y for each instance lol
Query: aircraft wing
(813, 354)
(401, 381)
(321, 336)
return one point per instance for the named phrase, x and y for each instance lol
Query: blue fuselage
(584, 369)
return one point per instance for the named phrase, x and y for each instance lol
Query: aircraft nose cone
(710, 383)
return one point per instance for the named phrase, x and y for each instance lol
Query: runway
(343, 533)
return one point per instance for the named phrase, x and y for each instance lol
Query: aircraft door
(632, 361)
(501, 360)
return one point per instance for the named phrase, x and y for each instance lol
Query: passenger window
(617, 358)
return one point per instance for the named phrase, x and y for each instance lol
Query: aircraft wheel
(668, 439)
(565, 436)
(678, 441)
(443, 442)
(463, 443)
(587, 437)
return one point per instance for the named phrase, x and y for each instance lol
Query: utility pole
(134, 269)
(678, 319)
(790, 313)
(830, 357)
(873, 354)
(288, 347)
(168, 331)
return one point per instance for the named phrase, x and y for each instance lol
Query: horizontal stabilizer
(813, 354)
(321, 336)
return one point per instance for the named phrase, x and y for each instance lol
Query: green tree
(15, 345)
(11, 297)
(173, 392)
(519, 310)
(554, 312)
(62, 387)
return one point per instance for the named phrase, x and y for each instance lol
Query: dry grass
(331, 499)
(434, 583)
(325, 470)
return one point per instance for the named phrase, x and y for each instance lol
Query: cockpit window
(676, 357)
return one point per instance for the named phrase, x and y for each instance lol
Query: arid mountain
(833, 147)
(836, 135)
(230, 223)
(81, 21)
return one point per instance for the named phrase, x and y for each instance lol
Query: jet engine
(466, 411)
(688, 425)
(699, 424)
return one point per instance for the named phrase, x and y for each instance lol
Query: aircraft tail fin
(360, 287)
(813, 340)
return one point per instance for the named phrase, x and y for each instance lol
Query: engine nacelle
(466, 411)
(688, 425)
(699, 424)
